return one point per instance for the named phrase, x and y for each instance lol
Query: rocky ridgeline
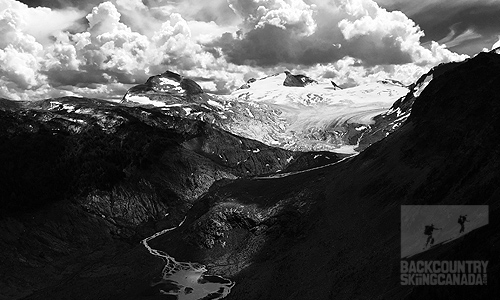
(168, 87)
(396, 116)
(297, 80)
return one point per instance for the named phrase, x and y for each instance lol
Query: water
(186, 280)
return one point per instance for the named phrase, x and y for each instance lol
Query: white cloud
(104, 18)
(367, 21)
(40, 22)
(293, 15)
(126, 41)
(348, 72)
(206, 32)
(62, 54)
(107, 52)
(19, 53)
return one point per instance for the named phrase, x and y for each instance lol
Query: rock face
(168, 87)
(83, 180)
(297, 80)
(334, 232)
(335, 85)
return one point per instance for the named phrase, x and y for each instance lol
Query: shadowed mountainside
(334, 232)
(85, 179)
(389, 121)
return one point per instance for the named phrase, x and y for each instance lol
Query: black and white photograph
(249, 149)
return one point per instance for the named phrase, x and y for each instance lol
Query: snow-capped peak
(271, 90)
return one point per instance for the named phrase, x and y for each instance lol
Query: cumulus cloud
(40, 22)
(395, 39)
(101, 50)
(357, 28)
(19, 53)
(271, 32)
(294, 16)
(108, 52)
(349, 71)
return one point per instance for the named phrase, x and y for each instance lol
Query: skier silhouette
(429, 229)
(461, 221)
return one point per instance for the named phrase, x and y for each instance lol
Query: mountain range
(260, 186)
(289, 111)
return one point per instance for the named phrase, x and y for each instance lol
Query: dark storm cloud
(88, 75)
(271, 45)
(386, 51)
(58, 4)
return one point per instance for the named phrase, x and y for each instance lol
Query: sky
(52, 48)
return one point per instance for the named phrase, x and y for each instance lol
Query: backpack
(428, 230)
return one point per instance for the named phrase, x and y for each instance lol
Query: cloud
(349, 71)
(40, 22)
(100, 50)
(455, 39)
(440, 18)
(63, 4)
(274, 32)
(356, 28)
(217, 11)
(108, 51)
(19, 53)
(393, 37)
(294, 16)
(410, 7)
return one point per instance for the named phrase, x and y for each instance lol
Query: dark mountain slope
(391, 120)
(83, 180)
(328, 233)
(75, 147)
(334, 232)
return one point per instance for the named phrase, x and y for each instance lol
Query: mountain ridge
(314, 230)
(317, 229)
(84, 180)
(294, 112)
